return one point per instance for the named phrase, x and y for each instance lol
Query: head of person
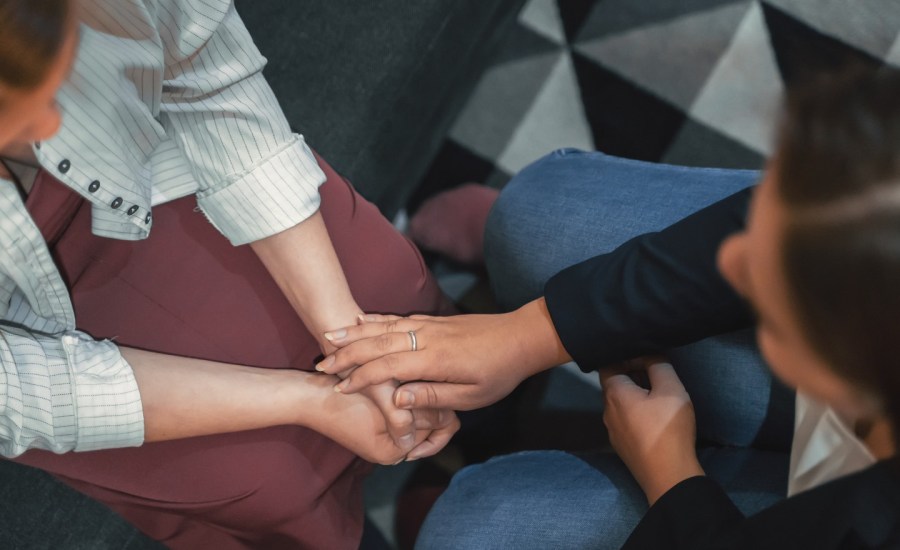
(820, 257)
(38, 40)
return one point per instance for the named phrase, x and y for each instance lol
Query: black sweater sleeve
(655, 292)
(689, 515)
(861, 510)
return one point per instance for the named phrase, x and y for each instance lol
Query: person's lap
(187, 291)
(572, 205)
(565, 208)
(554, 499)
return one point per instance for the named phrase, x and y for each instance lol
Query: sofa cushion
(39, 512)
(375, 85)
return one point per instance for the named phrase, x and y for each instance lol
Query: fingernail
(325, 363)
(398, 462)
(336, 335)
(412, 456)
(361, 318)
(406, 399)
(407, 440)
(370, 318)
(340, 387)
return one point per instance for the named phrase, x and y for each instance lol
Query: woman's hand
(461, 363)
(403, 424)
(653, 431)
(405, 427)
(358, 424)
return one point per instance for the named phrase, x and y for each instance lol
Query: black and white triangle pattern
(694, 82)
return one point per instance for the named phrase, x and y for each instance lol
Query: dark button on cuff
(117, 202)
(132, 210)
(64, 165)
(94, 186)
(147, 218)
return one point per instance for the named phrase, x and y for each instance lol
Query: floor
(694, 82)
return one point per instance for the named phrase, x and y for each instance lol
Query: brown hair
(838, 173)
(31, 35)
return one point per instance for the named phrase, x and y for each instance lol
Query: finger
(345, 373)
(611, 378)
(365, 350)
(648, 360)
(377, 317)
(610, 371)
(343, 336)
(664, 379)
(430, 419)
(620, 388)
(399, 422)
(400, 367)
(435, 441)
(436, 395)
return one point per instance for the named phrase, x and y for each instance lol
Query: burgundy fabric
(186, 291)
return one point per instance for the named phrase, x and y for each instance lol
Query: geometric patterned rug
(692, 82)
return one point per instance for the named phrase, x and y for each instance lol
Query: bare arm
(185, 397)
(303, 262)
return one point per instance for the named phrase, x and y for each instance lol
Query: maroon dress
(187, 291)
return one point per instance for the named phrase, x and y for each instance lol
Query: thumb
(434, 395)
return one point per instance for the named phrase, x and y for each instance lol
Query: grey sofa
(374, 85)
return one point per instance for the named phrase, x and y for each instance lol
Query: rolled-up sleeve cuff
(108, 409)
(591, 334)
(274, 195)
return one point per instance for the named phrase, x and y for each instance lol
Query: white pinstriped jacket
(166, 99)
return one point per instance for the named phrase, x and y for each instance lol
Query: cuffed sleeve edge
(274, 195)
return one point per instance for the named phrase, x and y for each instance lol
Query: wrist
(674, 473)
(539, 344)
(307, 396)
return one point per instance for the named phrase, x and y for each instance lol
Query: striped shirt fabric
(166, 98)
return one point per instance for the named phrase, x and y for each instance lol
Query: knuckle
(341, 355)
(400, 419)
(383, 342)
(431, 396)
(348, 355)
(392, 325)
(391, 362)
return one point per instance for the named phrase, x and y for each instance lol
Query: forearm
(305, 266)
(184, 397)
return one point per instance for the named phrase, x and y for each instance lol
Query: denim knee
(535, 499)
(517, 225)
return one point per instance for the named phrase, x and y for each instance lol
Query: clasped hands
(383, 345)
(470, 361)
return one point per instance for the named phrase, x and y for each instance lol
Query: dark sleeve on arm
(655, 292)
(691, 515)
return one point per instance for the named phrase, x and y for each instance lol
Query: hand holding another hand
(653, 430)
(461, 363)
(357, 423)
(416, 433)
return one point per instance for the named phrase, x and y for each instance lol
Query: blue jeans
(565, 208)
(553, 499)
